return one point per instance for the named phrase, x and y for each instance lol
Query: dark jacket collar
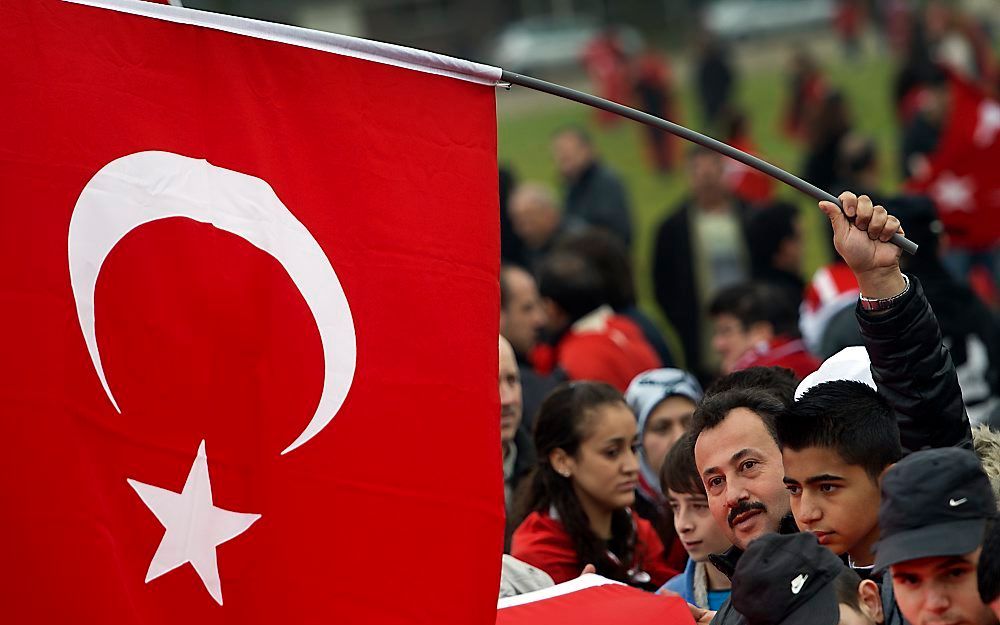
(726, 561)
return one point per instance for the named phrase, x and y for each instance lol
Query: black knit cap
(787, 579)
(934, 503)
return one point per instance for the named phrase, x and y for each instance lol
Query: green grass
(524, 145)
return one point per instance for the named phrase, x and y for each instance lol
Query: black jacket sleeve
(915, 373)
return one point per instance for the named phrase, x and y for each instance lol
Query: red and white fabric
(250, 309)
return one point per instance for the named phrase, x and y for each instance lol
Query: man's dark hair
(989, 562)
(609, 256)
(713, 410)
(846, 585)
(506, 268)
(767, 229)
(777, 381)
(679, 472)
(754, 302)
(847, 417)
(572, 282)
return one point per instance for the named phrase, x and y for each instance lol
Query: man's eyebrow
(788, 480)
(952, 561)
(743, 453)
(824, 477)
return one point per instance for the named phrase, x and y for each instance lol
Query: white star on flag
(194, 526)
(953, 193)
(988, 124)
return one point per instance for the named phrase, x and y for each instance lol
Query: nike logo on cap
(798, 583)
(957, 502)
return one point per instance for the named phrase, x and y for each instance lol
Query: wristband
(877, 305)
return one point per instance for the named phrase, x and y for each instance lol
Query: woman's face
(664, 427)
(605, 468)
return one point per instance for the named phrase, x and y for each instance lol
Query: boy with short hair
(989, 566)
(836, 441)
(700, 584)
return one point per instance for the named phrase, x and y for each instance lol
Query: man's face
(523, 318)
(571, 155)
(940, 591)
(510, 393)
(705, 174)
(740, 465)
(836, 501)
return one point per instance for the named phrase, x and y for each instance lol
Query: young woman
(582, 489)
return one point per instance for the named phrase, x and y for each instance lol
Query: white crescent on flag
(144, 187)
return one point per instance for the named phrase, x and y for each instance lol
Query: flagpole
(512, 78)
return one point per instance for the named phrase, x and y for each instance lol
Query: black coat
(675, 287)
(914, 372)
(598, 198)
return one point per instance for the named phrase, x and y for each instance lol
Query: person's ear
(870, 599)
(562, 462)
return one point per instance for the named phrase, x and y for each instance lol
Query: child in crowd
(989, 567)
(836, 441)
(581, 491)
(700, 584)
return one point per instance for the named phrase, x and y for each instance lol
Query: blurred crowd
(829, 420)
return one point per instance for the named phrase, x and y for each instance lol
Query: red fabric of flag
(252, 232)
(961, 178)
(586, 601)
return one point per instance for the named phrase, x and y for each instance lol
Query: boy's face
(836, 501)
(696, 526)
(941, 590)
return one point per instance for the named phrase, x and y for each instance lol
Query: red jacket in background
(541, 541)
(606, 347)
(780, 352)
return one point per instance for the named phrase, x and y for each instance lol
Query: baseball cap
(787, 579)
(934, 503)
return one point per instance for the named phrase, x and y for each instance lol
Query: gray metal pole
(686, 133)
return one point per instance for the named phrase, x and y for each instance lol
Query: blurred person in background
(715, 79)
(609, 257)
(511, 246)
(522, 321)
(608, 68)
(827, 126)
(700, 249)
(594, 193)
(858, 165)
(755, 325)
(807, 89)
(518, 452)
(537, 221)
(745, 182)
(849, 22)
(663, 401)
(654, 88)
(577, 511)
(590, 341)
(774, 236)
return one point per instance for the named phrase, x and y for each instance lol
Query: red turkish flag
(592, 600)
(265, 246)
(962, 177)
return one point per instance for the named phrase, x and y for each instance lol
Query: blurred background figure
(699, 249)
(608, 68)
(858, 165)
(715, 79)
(610, 258)
(590, 341)
(537, 221)
(594, 194)
(807, 89)
(522, 321)
(654, 90)
(849, 21)
(774, 238)
(746, 183)
(755, 325)
(517, 449)
(826, 127)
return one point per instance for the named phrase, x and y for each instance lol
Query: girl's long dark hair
(561, 424)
